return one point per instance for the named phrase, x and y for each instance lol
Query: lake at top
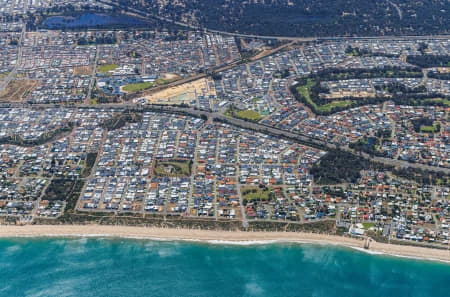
(89, 20)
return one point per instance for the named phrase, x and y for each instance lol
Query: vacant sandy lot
(83, 70)
(15, 90)
(184, 93)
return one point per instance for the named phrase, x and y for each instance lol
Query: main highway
(207, 72)
(219, 117)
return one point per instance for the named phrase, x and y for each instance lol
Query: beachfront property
(165, 164)
(190, 168)
(183, 166)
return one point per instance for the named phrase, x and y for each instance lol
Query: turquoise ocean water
(127, 267)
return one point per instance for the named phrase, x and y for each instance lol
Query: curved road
(235, 122)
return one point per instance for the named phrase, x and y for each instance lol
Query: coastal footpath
(222, 237)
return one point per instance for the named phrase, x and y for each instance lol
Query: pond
(90, 20)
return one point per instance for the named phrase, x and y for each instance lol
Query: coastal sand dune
(219, 236)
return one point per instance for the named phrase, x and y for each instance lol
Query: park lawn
(304, 90)
(368, 225)
(255, 193)
(249, 115)
(354, 53)
(427, 129)
(446, 102)
(431, 129)
(137, 86)
(178, 168)
(106, 68)
(442, 182)
(162, 81)
(145, 85)
(329, 106)
(228, 113)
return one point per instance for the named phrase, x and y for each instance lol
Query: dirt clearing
(16, 90)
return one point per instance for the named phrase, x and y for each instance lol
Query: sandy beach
(218, 237)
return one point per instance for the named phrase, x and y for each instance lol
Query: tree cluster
(427, 61)
(341, 167)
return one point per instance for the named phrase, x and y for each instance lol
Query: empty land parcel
(185, 93)
(16, 90)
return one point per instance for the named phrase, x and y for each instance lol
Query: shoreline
(222, 237)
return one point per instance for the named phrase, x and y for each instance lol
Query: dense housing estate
(82, 130)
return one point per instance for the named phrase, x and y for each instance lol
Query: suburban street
(217, 116)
